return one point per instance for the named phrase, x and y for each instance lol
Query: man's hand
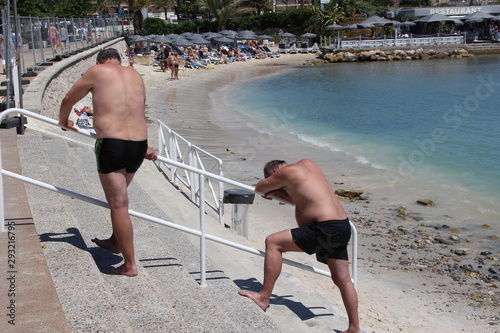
(151, 154)
(279, 194)
(69, 124)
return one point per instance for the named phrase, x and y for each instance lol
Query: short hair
(271, 165)
(108, 54)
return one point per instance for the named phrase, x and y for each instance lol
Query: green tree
(416, 3)
(223, 10)
(261, 6)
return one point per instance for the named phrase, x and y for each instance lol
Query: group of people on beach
(121, 146)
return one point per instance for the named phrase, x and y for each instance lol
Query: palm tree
(223, 10)
(136, 6)
(104, 6)
(327, 16)
(165, 5)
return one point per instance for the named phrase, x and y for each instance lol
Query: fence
(411, 40)
(33, 42)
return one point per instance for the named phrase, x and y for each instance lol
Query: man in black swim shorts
(118, 100)
(323, 229)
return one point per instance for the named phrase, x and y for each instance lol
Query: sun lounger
(268, 52)
(303, 48)
(282, 48)
(293, 49)
(315, 48)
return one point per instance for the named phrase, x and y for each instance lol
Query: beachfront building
(455, 12)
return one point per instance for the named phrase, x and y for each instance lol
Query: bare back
(308, 189)
(118, 101)
(118, 98)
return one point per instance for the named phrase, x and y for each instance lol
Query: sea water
(437, 120)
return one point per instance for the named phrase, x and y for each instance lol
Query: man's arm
(79, 90)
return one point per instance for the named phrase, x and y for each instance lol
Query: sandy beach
(408, 280)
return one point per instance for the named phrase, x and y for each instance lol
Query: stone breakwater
(393, 55)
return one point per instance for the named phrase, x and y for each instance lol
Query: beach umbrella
(137, 39)
(199, 41)
(161, 39)
(374, 21)
(210, 35)
(334, 27)
(186, 34)
(228, 33)
(264, 37)
(477, 17)
(437, 18)
(350, 27)
(308, 35)
(182, 42)
(224, 40)
(249, 35)
(408, 23)
(246, 32)
(287, 35)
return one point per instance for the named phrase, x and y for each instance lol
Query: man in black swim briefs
(323, 229)
(118, 100)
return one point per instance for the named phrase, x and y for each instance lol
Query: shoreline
(190, 112)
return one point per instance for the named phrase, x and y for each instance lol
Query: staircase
(166, 296)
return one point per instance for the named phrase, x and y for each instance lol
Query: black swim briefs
(115, 154)
(328, 239)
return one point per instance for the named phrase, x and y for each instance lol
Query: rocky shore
(448, 257)
(352, 55)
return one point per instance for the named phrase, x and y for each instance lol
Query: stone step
(166, 296)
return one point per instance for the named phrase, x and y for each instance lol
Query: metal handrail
(171, 145)
(203, 236)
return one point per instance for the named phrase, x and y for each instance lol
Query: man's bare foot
(256, 297)
(107, 244)
(122, 270)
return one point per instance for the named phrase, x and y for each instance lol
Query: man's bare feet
(122, 270)
(256, 297)
(107, 244)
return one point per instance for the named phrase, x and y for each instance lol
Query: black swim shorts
(328, 239)
(115, 154)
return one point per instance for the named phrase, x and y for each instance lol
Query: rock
(425, 202)
(462, 252)
(348, 193)
(401, 212)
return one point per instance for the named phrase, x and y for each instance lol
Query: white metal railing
(407, 41)
(177, 148)
(201, 233)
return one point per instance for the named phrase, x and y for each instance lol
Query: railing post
(354, 261)
(2, 204)
(192, 175)
(203, 278)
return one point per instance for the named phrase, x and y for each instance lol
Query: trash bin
(241, 200)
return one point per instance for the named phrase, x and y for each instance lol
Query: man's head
(271, 166)
(108, 54)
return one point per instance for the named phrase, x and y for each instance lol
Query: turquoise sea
(430, 123)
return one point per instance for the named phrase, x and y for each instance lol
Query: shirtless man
(53, 35)
(323, 228)
(173, 62)
(118, 98)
